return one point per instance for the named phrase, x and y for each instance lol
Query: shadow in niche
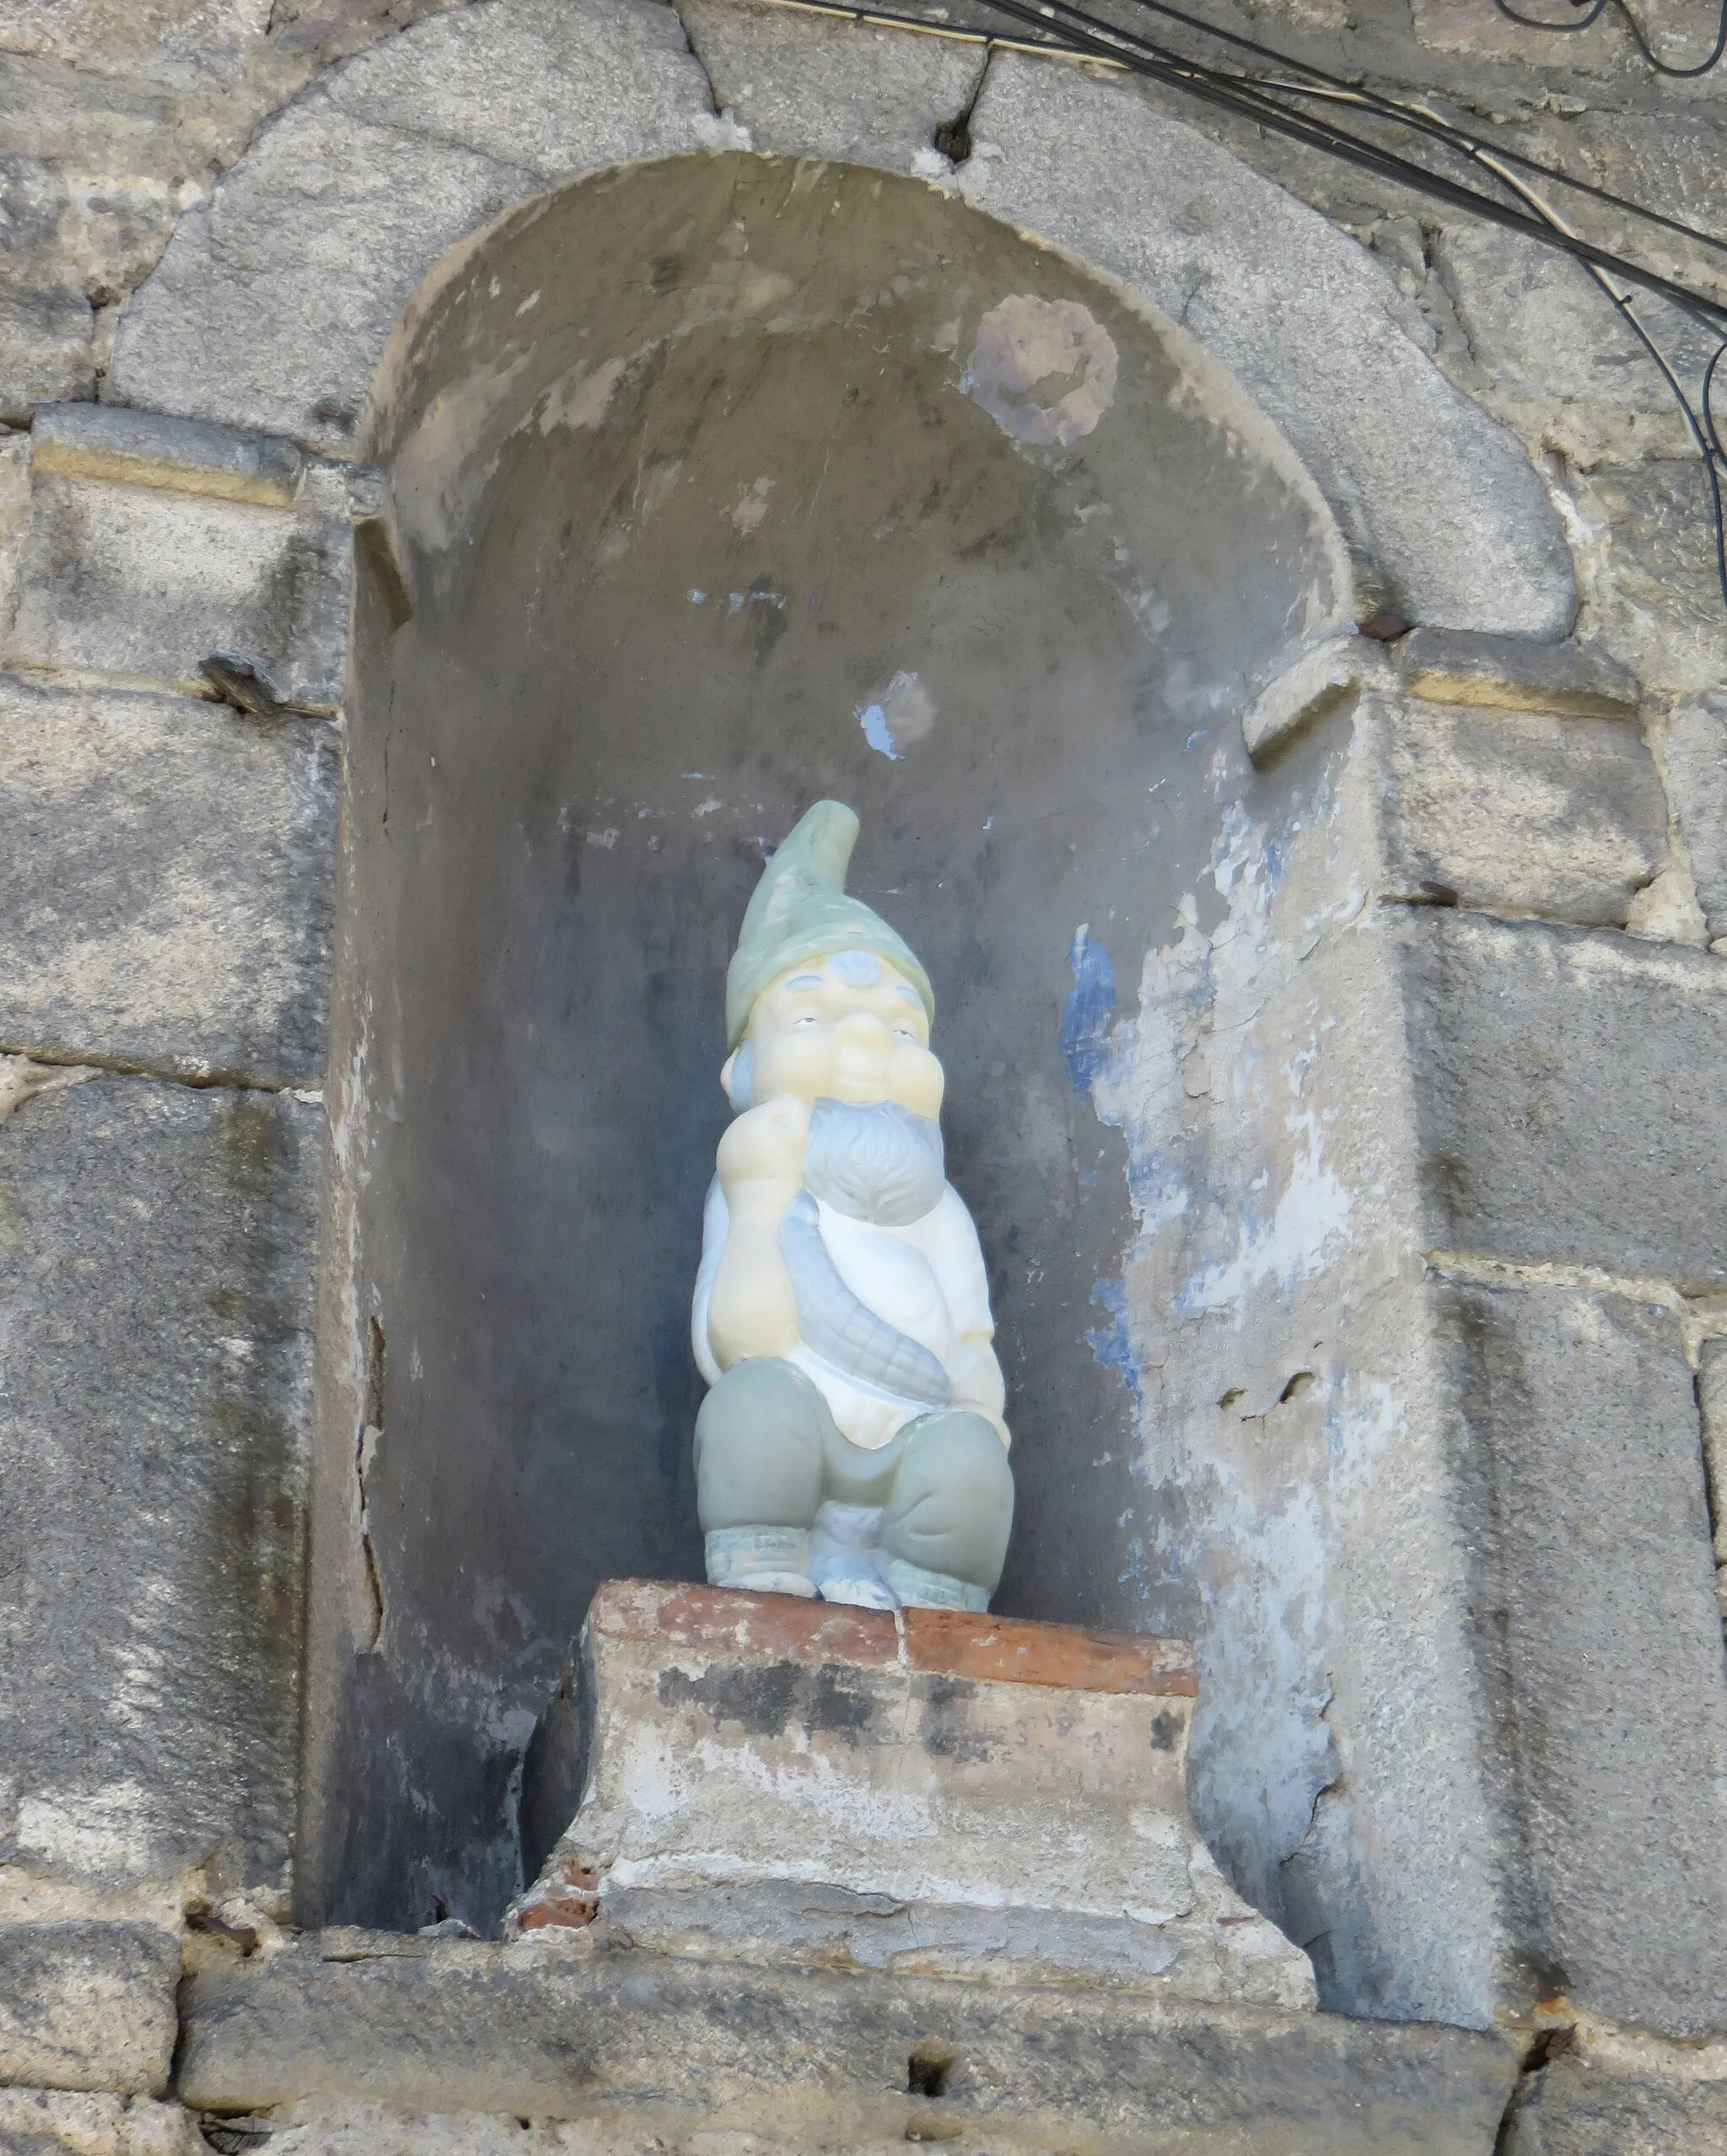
(717, 486)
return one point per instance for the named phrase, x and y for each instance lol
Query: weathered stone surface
(1518, 812)
(1551, 354)
(1645, 551)
(1573, 2108)
(550, 2030)
(806, 88)
(1513, 673)
(313, 245)
(1597, 1640)
(156, 1257)
(144, 448)
(1498, 673)
(46, 323)
(1571, 1092)
(1694, 757)
(774, 1781)
(87, 2005)
(1305, 320)
(51, 2123)
(138, 586)
(1310, 688)
(165, 883)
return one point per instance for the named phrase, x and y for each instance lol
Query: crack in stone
(93, 1063)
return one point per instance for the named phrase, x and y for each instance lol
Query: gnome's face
(847, 1027)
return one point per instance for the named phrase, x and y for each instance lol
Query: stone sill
(557, 2027)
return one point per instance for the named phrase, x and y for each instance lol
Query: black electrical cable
(1238, 94)
(1408, 115)
(1088, 36)
(1592, 15)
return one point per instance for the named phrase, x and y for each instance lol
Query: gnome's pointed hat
(801, 910)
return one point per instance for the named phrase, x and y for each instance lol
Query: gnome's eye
(807, 1019)
(904, 1033)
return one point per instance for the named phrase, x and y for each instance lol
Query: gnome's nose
(863, 1030)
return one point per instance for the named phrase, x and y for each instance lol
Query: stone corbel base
(774, 1780)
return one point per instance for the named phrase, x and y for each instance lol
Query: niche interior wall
(717, 486)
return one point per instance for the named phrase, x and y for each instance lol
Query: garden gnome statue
(852, 1444)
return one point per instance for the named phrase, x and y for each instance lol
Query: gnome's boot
(946, 1526)
(759, 1446)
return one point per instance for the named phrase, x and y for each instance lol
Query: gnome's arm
(956, 1257)
(752, 1309)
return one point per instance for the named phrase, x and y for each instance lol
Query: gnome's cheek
(799, 1060)
(915, 1080)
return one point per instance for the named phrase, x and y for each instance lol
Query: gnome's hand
(765, 1145)
(753, 1309)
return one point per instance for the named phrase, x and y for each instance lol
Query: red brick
(570, 1912)
(1003, 1650)
(753, 1627)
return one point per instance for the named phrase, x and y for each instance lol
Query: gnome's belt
(844, 1331)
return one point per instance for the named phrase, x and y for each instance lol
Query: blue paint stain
(1089, 1011)
(1109, 1344)
(876, 731)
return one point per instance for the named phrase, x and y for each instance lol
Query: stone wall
(212, 220)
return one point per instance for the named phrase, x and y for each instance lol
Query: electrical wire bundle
(1283, 104)
(1289, 98)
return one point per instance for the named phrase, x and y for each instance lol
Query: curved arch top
(272, 307)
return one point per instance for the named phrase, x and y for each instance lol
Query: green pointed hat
(801, 910)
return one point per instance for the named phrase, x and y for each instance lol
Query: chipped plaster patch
(904, 713)
(1313, 1208)
(1025, 342)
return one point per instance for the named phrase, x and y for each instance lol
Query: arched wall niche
(717, 485)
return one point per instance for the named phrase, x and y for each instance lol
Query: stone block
(1571, 1093)
(1549, 350)
(314, 243)
(779, 1780)
(1518, 812)
(137, 586)
(87, 2005)
(1574, 2108)
(1648, 571)
(165, 883)
(1581, 1508)
(1306, 322)
(52, 2123)
(144, 448)
(156, 1263)
(810, 2059)
(806, 88)
(1514, 673)
(1315, 683)
(1695, 760)
(1500, 673)
(47, 325)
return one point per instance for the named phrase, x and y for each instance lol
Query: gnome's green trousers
(768, 1454)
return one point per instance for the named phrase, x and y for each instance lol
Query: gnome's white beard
(877, 1163)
